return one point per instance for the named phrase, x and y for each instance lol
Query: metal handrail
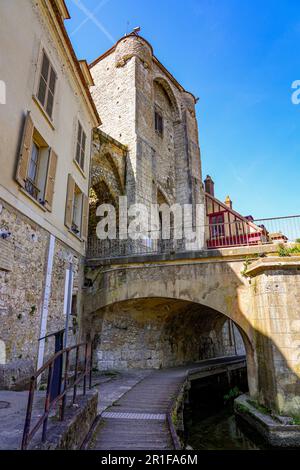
(32, 188)
(50, 404)
(226, 234)
(297, 216)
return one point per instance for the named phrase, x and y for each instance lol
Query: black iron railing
(67, 383)
(32, 189)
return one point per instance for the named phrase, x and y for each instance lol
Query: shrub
(296, 420)
(232, 394)
(288, 251)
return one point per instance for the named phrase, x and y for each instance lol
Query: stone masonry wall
(22, 286)
(276, 306)
(129, 85)
(114, 96)
(160, 333)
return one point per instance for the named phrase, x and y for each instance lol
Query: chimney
(209, 186)
(228, 202)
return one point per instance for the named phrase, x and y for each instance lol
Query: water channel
(210, 423)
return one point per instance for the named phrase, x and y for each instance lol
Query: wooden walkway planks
(125, 434)
(138, 420)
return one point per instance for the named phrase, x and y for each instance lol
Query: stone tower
(144, 107)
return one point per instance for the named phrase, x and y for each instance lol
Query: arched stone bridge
(157, 312)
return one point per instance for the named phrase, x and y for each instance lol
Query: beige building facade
(45, 142)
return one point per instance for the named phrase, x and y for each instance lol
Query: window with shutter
(69, 202)
(85, 218)
(77, 211)
(76, 215)
(32, 169)
(25, 151)
(80, 146)
(47, 85)
(49, 187)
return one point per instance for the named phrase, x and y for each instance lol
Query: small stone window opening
(47, 85)
(159, 123)
(80, 147)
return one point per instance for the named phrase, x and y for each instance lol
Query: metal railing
(237, 233)
(32, 188)
(51, 401)
(285, 229)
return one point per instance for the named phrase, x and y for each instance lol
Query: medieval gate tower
(144, 107)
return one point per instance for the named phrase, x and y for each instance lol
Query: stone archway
(211, 286)
(162, 84)
(100, 193)
(221, 281)
(159, 333)
(218, 286)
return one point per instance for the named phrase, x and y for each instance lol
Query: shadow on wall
(156, 333)
(157, 315)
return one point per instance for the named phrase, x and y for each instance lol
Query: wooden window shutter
(69, 202)
(85, 217)
(24, 156)
(49, 187)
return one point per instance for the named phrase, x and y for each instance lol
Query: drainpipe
(45, 303)
(69, 288)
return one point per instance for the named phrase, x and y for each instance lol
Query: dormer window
(159, 123)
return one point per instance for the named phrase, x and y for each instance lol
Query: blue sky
(240, 58)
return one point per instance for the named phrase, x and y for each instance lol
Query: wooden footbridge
(141, 418)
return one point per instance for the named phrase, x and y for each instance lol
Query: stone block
(16, 375)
